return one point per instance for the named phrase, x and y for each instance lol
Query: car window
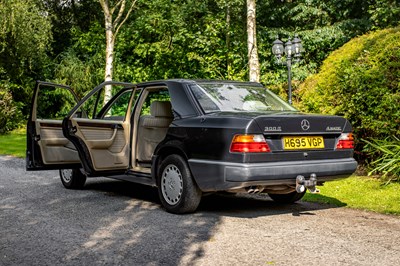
(217, 97)
(154, 95)
(96, 107)
(118, 107)
(54, 102)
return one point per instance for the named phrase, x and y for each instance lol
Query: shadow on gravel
(118, 188)
(138, 227)
(110, 222)
(318, 198)
(251, 206)
(221, 204)
(136, 230)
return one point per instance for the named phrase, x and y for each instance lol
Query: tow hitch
(302, 184)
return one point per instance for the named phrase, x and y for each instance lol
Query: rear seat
(153, 128)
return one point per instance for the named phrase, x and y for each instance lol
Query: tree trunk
(228, 40)
(254, 65)
(112, 27)
(108, 76)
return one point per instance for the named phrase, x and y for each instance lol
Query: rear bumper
(217, 176)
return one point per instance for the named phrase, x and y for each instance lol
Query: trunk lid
(301, 124)
(301, 132)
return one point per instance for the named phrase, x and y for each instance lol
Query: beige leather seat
(153, 128)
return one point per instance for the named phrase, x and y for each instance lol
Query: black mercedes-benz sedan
(187, 138)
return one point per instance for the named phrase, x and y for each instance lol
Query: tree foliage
(69, 19)
(64, 41)
(180, 39)
(25, 37)
(322, 25)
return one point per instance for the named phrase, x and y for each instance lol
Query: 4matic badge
(333, 128)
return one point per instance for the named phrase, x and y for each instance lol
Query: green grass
(360, 192)
(357, 192)
(13, 143)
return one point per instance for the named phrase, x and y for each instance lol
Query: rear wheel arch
(164, 152)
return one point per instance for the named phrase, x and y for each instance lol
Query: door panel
(106, 140)
(102, 137)
(47, 147)
(54, 147)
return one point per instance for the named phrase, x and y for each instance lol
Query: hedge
(360, 81)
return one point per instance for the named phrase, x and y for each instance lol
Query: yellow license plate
(301, 143)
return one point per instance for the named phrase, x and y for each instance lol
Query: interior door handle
(72, 130)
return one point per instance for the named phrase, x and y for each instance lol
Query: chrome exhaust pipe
(255, 189)
(251, 190)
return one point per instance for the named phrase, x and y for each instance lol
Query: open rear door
(102, 135)
(47, 148)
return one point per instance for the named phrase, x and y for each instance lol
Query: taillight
(345, 141)
(249, 143)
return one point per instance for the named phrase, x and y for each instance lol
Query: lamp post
(291, 49)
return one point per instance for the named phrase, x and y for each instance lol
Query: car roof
(196, 81)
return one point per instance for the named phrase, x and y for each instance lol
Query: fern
(388, 157)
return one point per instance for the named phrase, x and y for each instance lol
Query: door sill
(136, 177)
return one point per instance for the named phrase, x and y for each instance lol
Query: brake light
(249, 143)
(345, 141)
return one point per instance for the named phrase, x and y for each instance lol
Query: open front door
(47, 148)
(100, 129)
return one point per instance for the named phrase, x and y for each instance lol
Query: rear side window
(154, 95)
(112, 107)
(118, 107)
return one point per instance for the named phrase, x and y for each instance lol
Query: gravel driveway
(118, 223)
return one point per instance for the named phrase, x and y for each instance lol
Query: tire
(177, 190)
(72, 178)
(287, 198)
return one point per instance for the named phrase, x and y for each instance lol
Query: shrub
(360, 81)
(10, 116)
